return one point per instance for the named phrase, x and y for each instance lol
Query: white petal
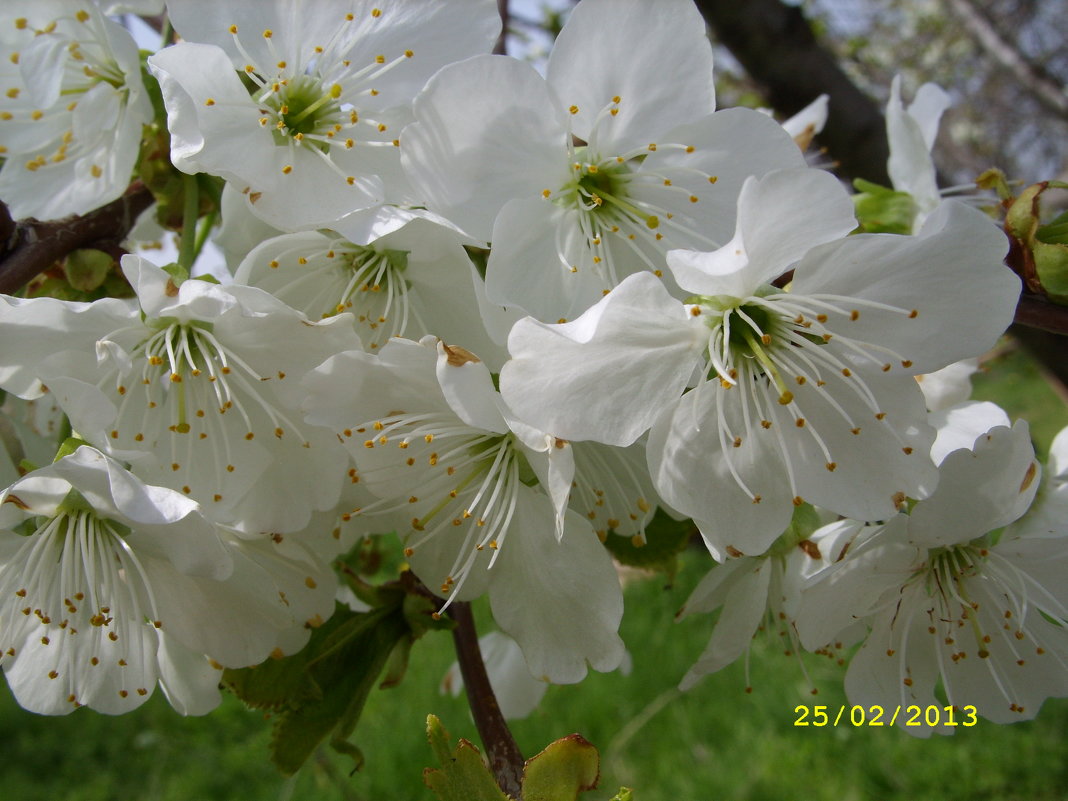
(979, 490)
(743, 610)
(961, 425)
(780, 217)
(486, 131)
(540, 582)
(607, 375)
(627, 48)
(952, 270)
(695, 467)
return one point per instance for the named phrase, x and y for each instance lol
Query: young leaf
(463, 776)
(567, 767)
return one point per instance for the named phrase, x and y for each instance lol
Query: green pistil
(770, 370)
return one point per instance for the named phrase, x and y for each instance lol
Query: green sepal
(1051, 264)
(87, 268)
(881, 210)
(624, 794)
(69, 446)
(177, 272)
(665, 538)
(567, 767)
(463, 776)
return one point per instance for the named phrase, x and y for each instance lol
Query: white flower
(911, 133)
(753, 592)
(83, 543)
(71, 107)
(948, 386)
(412, 281)
(594, 172)
(799, 395)
(949, 597)
(198, 388)
(308, 132)
(478, 497)
(108, 585)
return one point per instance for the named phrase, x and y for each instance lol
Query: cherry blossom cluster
(501, 316)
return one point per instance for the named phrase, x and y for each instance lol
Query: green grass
(714, 742)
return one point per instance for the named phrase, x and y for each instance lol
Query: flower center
(301, 110)
(774, 345)
(458, 482)
(629, 198)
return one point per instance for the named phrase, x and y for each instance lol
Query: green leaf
(463, 776)
(624, 794)
(882, 210)
(665, 538)
(567, 767)
(320, 692)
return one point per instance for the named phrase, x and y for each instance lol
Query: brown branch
(1037, 312)
(505, 758)
(775, 44)
(40, 244)
(7, 229)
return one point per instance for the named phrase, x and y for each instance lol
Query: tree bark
(775, 44)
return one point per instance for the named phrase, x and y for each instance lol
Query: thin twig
(40, 244)
(1037, 312)
(505, 758)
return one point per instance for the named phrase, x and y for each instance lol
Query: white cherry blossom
(594, 172)
(759, 398)
(949, 597)
(412, 281)
(72, 105)
(197, 386)
(301, 108)
(478, 497)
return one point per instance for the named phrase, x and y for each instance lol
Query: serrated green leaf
(345, 674)
(665, 538)
(567, 767)
(463, 776)
(320, 692)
